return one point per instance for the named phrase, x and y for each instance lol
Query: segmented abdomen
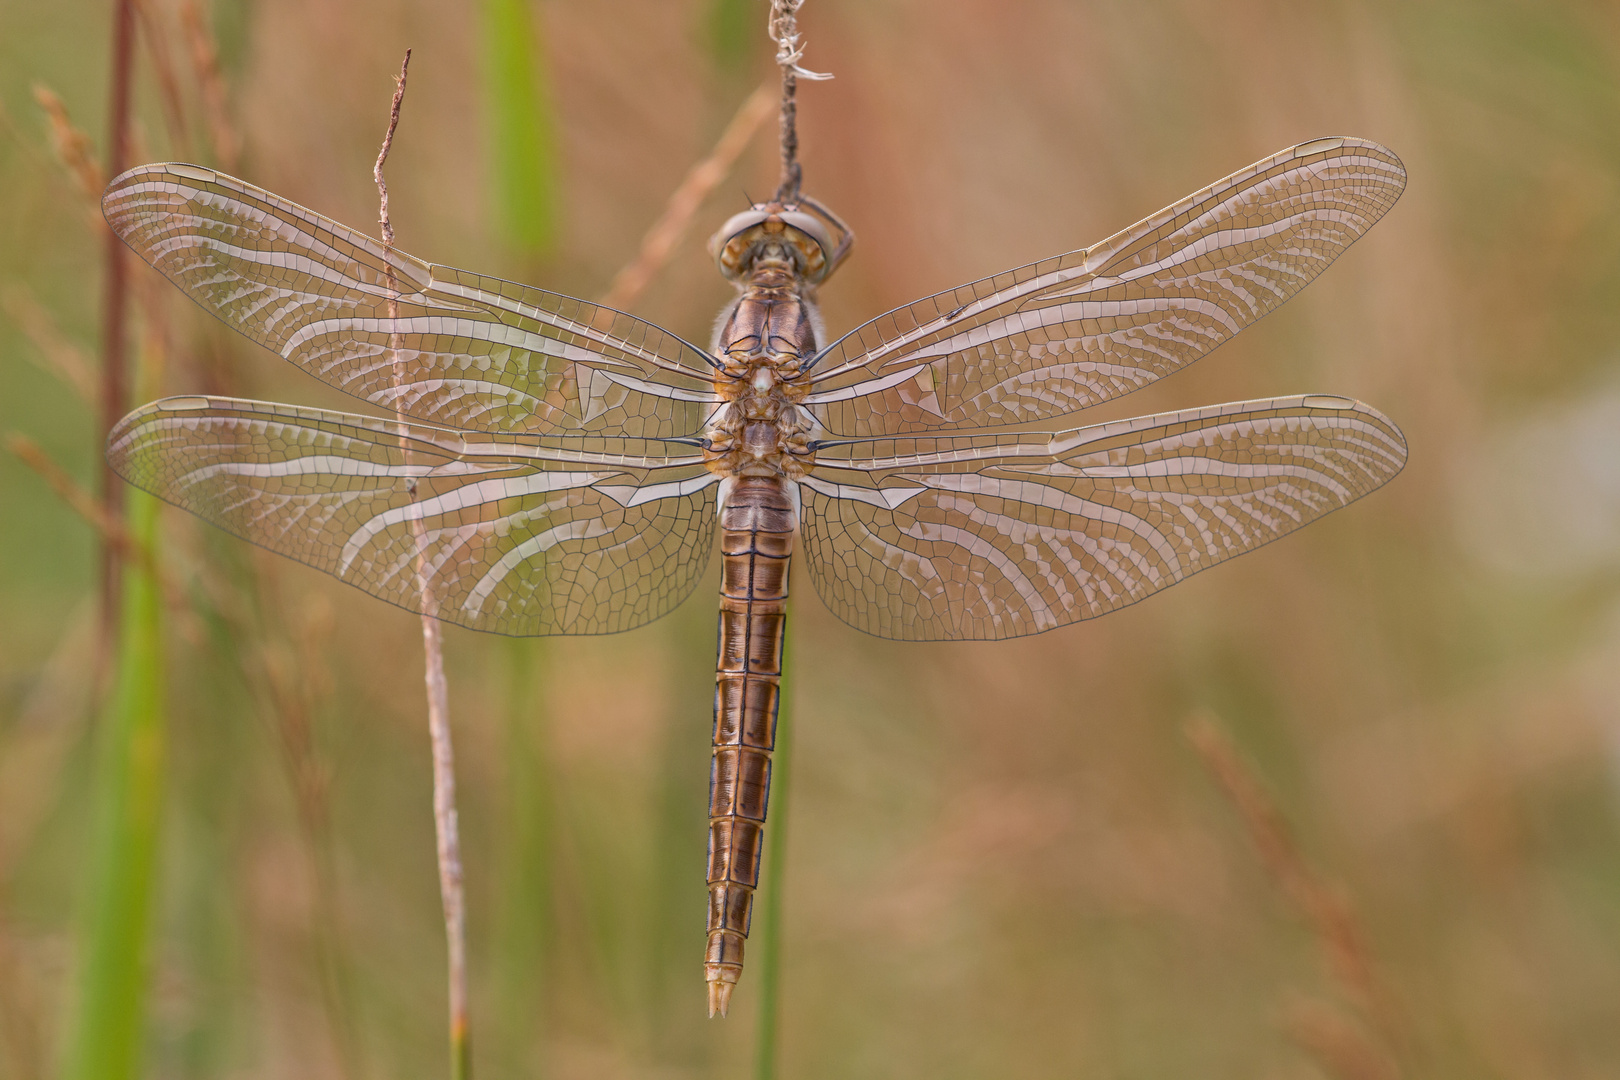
(756, 542)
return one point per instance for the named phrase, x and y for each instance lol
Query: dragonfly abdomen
(756, 543)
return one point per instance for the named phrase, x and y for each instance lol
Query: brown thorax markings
(776, 256)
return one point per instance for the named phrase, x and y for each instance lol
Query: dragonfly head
(804, 232)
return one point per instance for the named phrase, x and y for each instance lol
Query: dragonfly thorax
(763, 341)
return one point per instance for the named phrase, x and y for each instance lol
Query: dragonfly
(552, 466)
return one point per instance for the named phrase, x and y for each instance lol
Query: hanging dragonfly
(556, 467)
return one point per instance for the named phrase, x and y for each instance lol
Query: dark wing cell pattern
(1057, 336)
(474, 352)
(517, 534)
(976, 537)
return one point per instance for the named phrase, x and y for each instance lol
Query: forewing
(999, 536)
(1057, 336)
(473, 352)
(519, 535)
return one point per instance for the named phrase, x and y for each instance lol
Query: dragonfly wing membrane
(980, 537)
(472, 351)
(519, 535)
(1058, 336)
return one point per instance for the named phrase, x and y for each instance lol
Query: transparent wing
(976, 537)
(475, 352)
(1057, 336)
(521, 534)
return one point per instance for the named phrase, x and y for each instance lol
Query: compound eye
(736, 225)
(811, 227)
(732, 244)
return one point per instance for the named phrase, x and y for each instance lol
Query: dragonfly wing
(976, 537)
(473, 352)
(518, 534)
(1057, 336)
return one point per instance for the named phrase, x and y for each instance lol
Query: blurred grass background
(1007, 859)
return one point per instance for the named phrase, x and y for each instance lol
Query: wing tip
(1328, 144)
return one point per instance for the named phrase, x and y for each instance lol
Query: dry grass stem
(204, 51)
(438, 697)
(1331, 920)
(108, 525)
(670, 228)
(75, 153)
(1339, 1045)
(74, 149)
(84, 504)
(56, 354)
(114, 396)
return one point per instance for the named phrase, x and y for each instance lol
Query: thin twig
(1331, 920)
(671, 226)
(377, 172)
(444, 774)
(784, 30)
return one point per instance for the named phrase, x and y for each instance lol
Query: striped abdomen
(756, 541)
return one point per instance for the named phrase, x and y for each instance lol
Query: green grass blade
(105, 1030)
(770, 935)
(523, 929)
(521, 134)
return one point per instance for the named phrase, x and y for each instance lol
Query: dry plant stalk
(1339, 1046)
(444, 774)
(784, 30)
(75, 154)
(108, 525)
(704, 177)
(1337, 932)
(72, 146)
(114, 395)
